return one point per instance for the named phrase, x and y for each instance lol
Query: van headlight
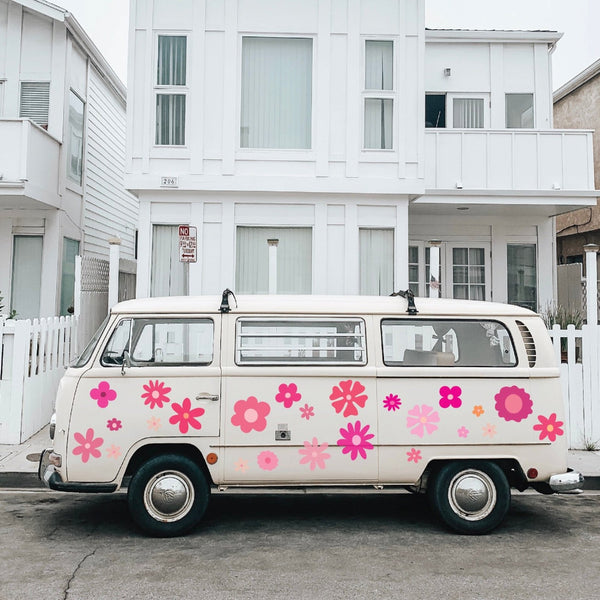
(52, 425)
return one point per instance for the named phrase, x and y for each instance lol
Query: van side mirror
(126, 361)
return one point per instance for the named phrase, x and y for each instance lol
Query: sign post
(188, 244)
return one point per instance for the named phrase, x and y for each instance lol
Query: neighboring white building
(62, 156)
(305, 122)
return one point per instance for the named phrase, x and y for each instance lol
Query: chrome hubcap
(169, 496)
(472, 495)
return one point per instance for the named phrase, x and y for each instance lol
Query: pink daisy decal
(153, 423)
(306, 412)
(392, 402)
(267, 460)
(113, 451)
(463, 432)
(185, 415)
(489, 430)
(88, 445)
(114, 424)
(355, 440)
(549, 427)
(513, 403)
(414, 455)
(314, 454)
(155, 394)
(288, 394)
(450, 396)
(250, 414)
(348, 396)
(103, 394)
(422, 419)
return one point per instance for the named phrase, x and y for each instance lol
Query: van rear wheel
(168, 495)
(470, 497)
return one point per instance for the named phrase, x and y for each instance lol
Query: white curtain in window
(379, 65)
(378, 123)
(376, 262)
(294, 260)
(468, 113)
(171, 62)
(170, 119)
(27, 275)
(169, 277)
(276, 93)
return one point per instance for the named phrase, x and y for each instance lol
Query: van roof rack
(410, 297)
(225, 308)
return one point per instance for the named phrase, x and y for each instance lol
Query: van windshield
(82, 359)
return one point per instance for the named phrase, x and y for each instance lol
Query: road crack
(74, 574)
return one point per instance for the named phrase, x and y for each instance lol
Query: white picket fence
(33, 358)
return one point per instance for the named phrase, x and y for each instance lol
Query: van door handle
(205, 396)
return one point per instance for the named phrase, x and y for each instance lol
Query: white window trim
(450, 97)
(532, 94)
(70, 183)
(448, 285)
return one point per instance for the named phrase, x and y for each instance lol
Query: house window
(1, 98)
(521, 275)
(468, 273)
(171, 90)
(435, 110)
(34, 101)
(293, 256)
(468, 113)
(67, 280)
(519, 111)
(276, 103)
(26, 275)
(169, 276)
(413, 270)
(75, 139)
(378, 95)
(376, 261)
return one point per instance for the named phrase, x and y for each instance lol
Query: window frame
(510, 94)
(452, 96)
(35, 81)
(71, 182)
(449, 270)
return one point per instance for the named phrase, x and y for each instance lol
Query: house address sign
(188, 244)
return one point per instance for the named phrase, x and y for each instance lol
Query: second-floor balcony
(542, 163)
(29, 166)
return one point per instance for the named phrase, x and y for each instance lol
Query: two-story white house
(334, 142)
(62, 157)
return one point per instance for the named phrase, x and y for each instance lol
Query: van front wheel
(168, 495)
(470, 497)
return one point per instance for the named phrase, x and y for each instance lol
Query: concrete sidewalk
(16, 471)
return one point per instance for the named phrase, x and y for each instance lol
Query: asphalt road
(61, 546)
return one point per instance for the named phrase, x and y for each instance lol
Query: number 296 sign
(188, 244)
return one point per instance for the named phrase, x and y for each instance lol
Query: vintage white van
(180, 396)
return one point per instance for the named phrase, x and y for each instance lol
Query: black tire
(471, 497)
(168, 495)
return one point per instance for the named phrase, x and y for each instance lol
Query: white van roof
(318, 305)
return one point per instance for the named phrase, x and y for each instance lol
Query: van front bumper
(566, 483)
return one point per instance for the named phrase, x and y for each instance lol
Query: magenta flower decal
(267, 460)
(348, 396)
(414, 455)
(422, 419)
(103, 394)
(513, 403)
(314, 454)
(463, 432)
(250, 414)
(88, 445)
(185, 415)
(156, 393)
(392, 402)
(306, 412)
(450, 396)
(355, 440)
(114, 424)
(288, 394)
(549, 427)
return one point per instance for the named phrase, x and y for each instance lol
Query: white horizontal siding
(109, 210)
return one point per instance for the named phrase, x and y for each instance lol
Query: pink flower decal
(355, 440)
(348, 396)
(114, 424)
(185, 415)
(513, 403)
(103, 394)
(422, 419)
(314, 454)
(463, 432)
(250, 414)
(267, 460)
(153, 423)
(306, 412)
(113, 451)
(392, 402)
(88, 445)
(156, 393)
(414, 455)
(549, 427)
(450, 396)
(489, 431)
(288, 394)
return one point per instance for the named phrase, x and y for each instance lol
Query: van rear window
(446, 343)
(288, 341)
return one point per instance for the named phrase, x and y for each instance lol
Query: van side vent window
(529, 343)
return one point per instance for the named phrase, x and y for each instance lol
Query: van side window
(161, 342)
(446, 343)
(303, 341)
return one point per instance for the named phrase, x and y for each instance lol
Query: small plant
(556, 314)
(590, 445)
(12, 314)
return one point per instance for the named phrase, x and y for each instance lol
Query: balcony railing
(475, 159)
